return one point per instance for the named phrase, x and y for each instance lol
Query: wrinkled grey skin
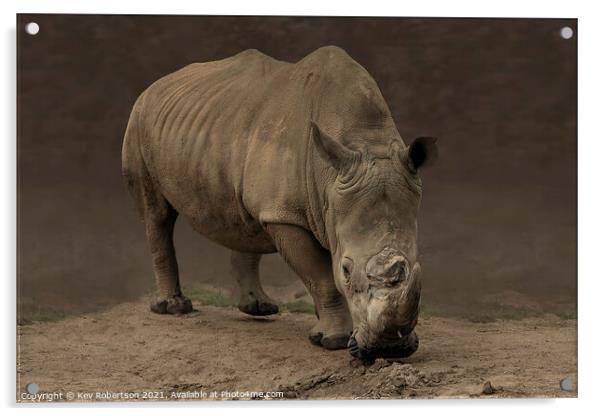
(304, 159)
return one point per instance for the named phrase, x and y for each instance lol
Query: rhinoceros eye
(347, 268)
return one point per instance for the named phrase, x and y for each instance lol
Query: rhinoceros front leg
(253, 300)
(312, 263)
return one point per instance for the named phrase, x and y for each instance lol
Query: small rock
(488, 388)
(355, 362)
(380, 363)
(290, 394)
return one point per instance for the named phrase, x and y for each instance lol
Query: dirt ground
(127, 349)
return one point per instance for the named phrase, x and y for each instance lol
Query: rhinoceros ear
(422, 152)
(330, 149)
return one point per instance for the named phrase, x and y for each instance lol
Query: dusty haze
(499, 208)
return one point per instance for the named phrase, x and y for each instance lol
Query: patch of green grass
(507, 312)
(428, 311)
(38, 313)
(566, 314)
(209, 297)
(298, 306)
(479, 312)
(215, 298)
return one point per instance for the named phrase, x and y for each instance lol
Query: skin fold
(304, 159)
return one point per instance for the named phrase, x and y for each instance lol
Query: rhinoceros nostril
(388, 267)
(396, 272)
(403, 270)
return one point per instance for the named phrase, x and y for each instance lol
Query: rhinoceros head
(371, 223)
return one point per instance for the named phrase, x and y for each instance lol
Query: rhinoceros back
(226, 142)
(193, 130)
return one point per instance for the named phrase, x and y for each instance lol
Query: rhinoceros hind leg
(253, 299)
(312, 263)
(160, 219)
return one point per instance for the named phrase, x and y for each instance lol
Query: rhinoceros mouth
(404, 347)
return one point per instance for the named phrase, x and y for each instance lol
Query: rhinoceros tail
(133, 167)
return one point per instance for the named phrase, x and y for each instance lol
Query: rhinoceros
(303, 159)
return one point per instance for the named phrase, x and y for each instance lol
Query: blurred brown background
(499, 209)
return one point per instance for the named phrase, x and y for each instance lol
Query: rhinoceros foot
(256, 307)
(335, 341)
(331, 342)
(175, 305)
